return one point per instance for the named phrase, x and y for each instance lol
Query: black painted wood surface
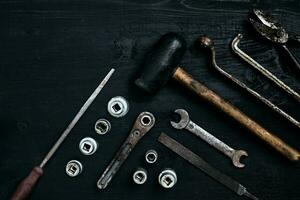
(54, 53)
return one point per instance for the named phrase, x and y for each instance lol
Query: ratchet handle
(144, 122)
(293, 58)
(25, 187)
(202, 91)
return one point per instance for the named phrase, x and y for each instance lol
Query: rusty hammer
(161, 64)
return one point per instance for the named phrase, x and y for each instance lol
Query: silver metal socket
(151, 156)
(102, 126)
(167, 178)
(88, 146)
(118, 106)
(73, 168)
(140, 176)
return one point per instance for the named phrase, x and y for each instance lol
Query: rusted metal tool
(161, 65)
(25, 187)
(144, 122)
(261, 69)
(206, 42)
(201, 164)
(268, 27)
(186, 123)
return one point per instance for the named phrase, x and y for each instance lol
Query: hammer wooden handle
(185, 79)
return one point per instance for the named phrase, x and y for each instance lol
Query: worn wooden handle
(25, 187)
(185, 79)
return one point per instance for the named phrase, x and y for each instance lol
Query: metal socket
(73, 168)
(118, 106)
(167, 178)
(88, 146)
(151, 156)
(140, 176)
(102, 126)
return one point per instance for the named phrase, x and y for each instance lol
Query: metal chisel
(201, 164)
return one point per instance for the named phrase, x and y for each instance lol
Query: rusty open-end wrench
(186, 123)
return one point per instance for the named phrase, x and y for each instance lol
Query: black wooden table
(54, 53)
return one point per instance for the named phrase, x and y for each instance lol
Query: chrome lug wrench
(186, 123)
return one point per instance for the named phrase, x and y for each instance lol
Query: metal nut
(118, 106)
(102, 126)
(151, 156)
(88, 146)
(167, 178)
(140, 176)
(73, 168)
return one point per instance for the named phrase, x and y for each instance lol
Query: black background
(54, 53)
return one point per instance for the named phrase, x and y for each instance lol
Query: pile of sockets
(118, 107)
(166, 178)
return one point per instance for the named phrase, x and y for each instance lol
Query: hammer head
(161, 62)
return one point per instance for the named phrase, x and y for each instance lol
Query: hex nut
(140, 176)
(118, 106)
(73, 168)
(151, 156)
(88, 146)
(102, 126)
(167, 178)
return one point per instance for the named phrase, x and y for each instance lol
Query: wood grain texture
(54, 53)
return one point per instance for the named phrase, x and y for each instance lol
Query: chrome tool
(167, 178)
(140, 176)
(151, 156)
(73, 168)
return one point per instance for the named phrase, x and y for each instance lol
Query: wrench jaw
(236, 156)
(184, 119)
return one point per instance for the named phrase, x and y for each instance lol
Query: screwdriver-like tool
(144, 122)
(201, 164)
(25, 187)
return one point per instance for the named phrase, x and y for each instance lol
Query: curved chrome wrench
(186, 123)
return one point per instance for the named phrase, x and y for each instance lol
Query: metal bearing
(73, 168)
(167, 178)
(151, 156)
(88, 146)
(140, 176)
(102, 126)
(118, 106)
